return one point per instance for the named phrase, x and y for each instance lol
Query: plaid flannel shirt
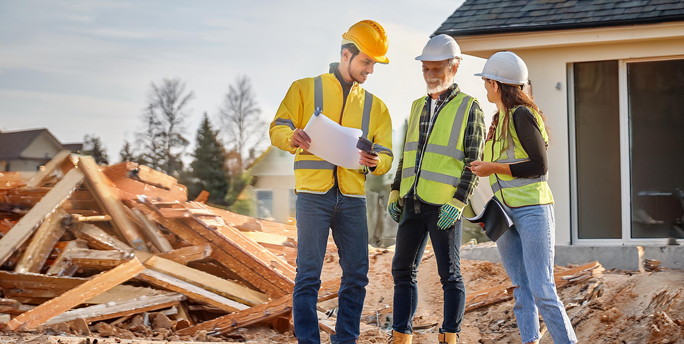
(473, 142)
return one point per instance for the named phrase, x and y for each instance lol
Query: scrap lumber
(36, 289)
(203, 197)
(62, 266)
(119, 309)
(100, 283)
(97, 259)
(16, 236)
(261, 313)
(56, 162)
(93, 218)
(99, 239)
(203, 280)
(133, 180)
(43, 241)
(229, 253)
(187, 254)
(98, 184)
(190, 290)
(14, 307)
(491, 296)
(151, 232)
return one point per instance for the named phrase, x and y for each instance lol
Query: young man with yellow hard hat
(329, 196)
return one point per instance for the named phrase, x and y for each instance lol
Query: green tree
(126, 153)
(93, 146)
(208, 167)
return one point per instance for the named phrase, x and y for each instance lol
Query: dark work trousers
(412, 237)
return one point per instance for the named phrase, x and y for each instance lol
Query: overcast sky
(85, 67)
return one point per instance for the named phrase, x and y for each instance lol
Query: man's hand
(300, 139)
(370, 160)
(395, 205)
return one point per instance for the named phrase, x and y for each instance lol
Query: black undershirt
(532, 142)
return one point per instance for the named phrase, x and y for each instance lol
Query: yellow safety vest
(442, 163)
(362, 110)
(515, 192)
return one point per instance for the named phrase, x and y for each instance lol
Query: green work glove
(449, 213)
(395, 205)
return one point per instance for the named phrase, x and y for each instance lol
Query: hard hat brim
(502, 80)
(436, 58)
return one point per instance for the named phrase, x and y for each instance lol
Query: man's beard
(439, 88)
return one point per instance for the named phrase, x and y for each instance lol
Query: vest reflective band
(442, 162)
(516, 192)
(318, 104)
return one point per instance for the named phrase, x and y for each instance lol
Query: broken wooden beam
(98, 238)
(203, 280)
(187, 254)
(97, 259)
(99, 186)
(43, 241)
(62, 266)
(230, 254)
(151, 232)
(261, 313)
(190, 290)
(119, 309)
(42, 174)
(97, 285)
(28, 224)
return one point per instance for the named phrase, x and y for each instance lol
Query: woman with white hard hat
(516, 163)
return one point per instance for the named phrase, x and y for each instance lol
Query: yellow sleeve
(287, 118)
(382, 141)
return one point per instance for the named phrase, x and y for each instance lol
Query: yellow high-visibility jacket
(313, 174)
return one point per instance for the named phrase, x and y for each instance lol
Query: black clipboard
(493, 219)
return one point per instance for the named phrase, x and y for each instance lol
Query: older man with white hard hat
(433, 184)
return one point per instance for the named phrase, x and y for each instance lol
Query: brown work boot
(448, 338)
(401, 338)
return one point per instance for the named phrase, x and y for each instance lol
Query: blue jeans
(346, 216)
(527, 250)
(412, 236)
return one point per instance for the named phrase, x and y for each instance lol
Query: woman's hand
(484, 168)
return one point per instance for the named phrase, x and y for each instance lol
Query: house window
(264, 204)
(656, 114)
(627, 131)
(597, 146)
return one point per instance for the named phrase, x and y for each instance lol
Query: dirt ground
(626, 307)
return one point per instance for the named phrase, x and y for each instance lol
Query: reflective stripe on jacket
(313, 174)
(442, 163)
(505, 147)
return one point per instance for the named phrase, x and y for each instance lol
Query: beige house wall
(548, 58)
(42, 147)
(282, 187)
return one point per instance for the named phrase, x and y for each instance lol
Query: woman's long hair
(511, 97)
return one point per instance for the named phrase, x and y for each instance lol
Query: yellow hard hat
(369, 37)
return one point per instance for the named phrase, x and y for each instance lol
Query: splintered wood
(87, 243)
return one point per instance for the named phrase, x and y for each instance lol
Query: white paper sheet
(333, 142)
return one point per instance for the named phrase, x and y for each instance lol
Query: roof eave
(571, 26)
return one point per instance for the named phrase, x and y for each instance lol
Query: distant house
(609, 77)
(272, 189)
(28, 149)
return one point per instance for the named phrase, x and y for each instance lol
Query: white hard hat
(440, 47)
(505, 67)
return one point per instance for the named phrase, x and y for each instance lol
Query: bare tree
(240, 118)
(163, 143)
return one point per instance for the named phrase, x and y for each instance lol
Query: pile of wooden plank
(102, 247)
